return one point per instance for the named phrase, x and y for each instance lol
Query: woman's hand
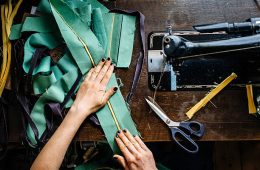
(136, 155)
(92, 94)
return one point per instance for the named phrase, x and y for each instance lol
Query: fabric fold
(86, 29)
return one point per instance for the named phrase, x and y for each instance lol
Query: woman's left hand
(92, 94)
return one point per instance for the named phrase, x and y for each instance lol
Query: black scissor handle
(194, 128)
(189, 143)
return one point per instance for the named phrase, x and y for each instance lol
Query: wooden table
(229, 120)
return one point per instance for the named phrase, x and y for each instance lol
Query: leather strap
(19, 86)
(38, 54)
(54, 111)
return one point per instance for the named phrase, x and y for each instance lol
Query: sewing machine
(203, 57)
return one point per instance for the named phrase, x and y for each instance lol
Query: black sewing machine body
(200, 72)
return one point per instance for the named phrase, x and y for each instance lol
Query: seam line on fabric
(111, 35)
(93, 63)
(120, 34)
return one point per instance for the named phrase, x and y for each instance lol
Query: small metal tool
(183, 130)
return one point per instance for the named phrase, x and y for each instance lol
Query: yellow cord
(7, 16)
(250, 99)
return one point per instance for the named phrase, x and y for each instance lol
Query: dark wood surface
(236, 155)
(229, 120)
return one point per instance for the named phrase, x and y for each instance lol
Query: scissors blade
(159, 111)
(157, 105)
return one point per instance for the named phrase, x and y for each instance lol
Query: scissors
(182, 130)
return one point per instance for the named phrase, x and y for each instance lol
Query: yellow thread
(113, 114)
(7, 16)
(10, 8)
(93, 63)
(211, 94)
(14, 12)
(4, 43)
(86, 48)
(6, 11)
(250, 99)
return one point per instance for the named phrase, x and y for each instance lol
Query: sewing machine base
(203, 72)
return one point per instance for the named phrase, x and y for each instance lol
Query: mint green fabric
(82, 25)
(126, 41)
(85, 13)
(48, 40)
(42, 82)
(71, 26)
(55, 93)
(99, 28)
(117, 101)
(16, 32)
(122, 114)
(44, 7)
(34, 24)
(66, 63)
(114, 33)
(46, 75)
(120, 30)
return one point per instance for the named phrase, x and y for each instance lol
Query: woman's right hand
(136, 155)
(92, 94)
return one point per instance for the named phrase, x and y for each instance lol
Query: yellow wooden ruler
(250, 99)
(211, 94)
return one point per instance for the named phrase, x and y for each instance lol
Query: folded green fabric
(85, 28)
(55, 93)
(99, 28)
(34, 24)
(113, 34)
(119, 107)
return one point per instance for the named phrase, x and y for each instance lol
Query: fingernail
(124, 131)
(118, 132)
(114, 157)
(111, 64)
(103, 60)
(117, 136)
(134, 135)
(115, 89)
(108, 59)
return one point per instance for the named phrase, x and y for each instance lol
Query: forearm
(54, 151)
(91, 96)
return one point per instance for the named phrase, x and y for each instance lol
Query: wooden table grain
(228, 118)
